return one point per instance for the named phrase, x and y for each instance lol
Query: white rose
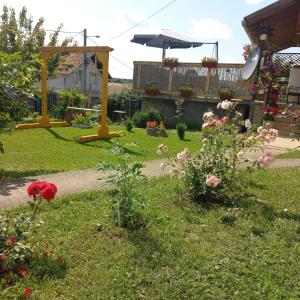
(247, 123)
(240, 155)
(208, 116)
(259, 129)
(162, 166)
(226, 104)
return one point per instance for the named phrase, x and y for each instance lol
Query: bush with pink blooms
(216, 169)
(293, 114)
(17, 251)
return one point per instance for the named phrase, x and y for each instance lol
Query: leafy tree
(22, 35)
(17, 74)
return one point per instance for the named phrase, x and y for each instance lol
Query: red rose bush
(16, 232)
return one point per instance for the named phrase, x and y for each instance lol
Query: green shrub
(124, 178)
(181, 128)
(142, 117)
(58, 111)
(4, 119)
(129, 125)
(125, 100)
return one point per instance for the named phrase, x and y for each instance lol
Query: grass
(40, 151)
(249, 250)
(291, 154)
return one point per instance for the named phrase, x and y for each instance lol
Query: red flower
(21, 271)
(44, 189)
(12, 240)
(48, 192)
(2, 257)
(35, 188)
(26, 293)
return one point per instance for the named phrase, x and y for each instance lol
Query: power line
(62, 31)
(139, 23)
(81, 33)
(113, 56)
(121, 62)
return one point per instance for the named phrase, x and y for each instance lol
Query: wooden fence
(205, 81)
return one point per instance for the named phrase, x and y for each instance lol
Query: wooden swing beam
(102, 54)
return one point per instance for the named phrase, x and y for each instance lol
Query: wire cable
(125, 65)
(141, 22)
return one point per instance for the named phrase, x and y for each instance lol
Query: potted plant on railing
(186, 91)
(153, 129)
(171, 62)
(151, 89)
(225, 93)
(209, 62)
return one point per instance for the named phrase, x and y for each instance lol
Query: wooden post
(103, 57)
(207, 83)
(44, 119)
(170, 80)
(138, 80)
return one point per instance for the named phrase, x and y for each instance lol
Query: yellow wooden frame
(102, 54)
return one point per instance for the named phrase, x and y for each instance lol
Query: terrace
(204, 81)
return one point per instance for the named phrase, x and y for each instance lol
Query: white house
(70, 75)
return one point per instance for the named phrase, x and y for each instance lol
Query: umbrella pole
(163, 53)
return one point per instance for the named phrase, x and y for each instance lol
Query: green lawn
(292, 154)
(185, 252)
(39, 151)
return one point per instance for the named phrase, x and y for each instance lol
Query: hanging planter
(209, 62)
(171, 62)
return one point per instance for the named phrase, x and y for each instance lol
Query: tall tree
(22, 35)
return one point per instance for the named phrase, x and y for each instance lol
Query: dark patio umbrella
(166, 39)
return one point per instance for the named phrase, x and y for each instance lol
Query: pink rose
(212, 181)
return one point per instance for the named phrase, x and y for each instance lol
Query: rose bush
(17, 251)
(215, 170)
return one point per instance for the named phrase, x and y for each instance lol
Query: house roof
(282, 17)
(72, 61)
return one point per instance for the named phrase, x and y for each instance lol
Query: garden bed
(245, 249)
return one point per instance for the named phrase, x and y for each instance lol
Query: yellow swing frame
(102, 54)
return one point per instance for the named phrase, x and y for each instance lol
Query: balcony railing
(205, 81)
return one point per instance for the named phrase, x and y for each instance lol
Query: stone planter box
(156, 131)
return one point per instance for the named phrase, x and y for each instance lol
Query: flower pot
(186, 94)
(170, 64)
(152, 92)
(208, 64)
(153, 131)
(225, 97)
(162, 132)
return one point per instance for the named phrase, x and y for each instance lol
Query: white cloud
(253, 1)
(210, 29)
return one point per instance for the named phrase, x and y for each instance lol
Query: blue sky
(202, 20)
